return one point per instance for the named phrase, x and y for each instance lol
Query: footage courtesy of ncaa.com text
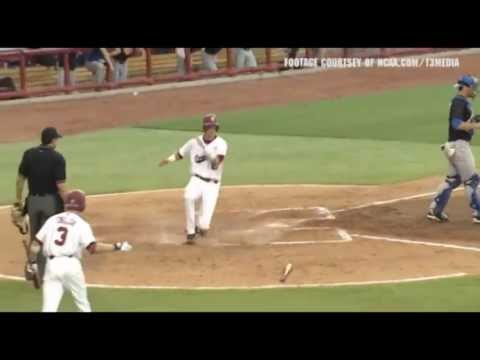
(352, 62)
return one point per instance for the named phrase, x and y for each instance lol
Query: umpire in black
(45, 170)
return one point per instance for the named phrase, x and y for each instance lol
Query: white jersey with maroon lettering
(207, 189)
(197, 151)
(65, 234)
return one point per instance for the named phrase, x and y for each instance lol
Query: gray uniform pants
(461, 169)
(244, 58)
(120, 71)
(40, 208)
(61, 77)
(209, 61)
(98, 69)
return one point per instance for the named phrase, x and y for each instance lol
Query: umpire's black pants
(40, 208)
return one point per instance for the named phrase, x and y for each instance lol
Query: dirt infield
(258, 230)
(24, 122)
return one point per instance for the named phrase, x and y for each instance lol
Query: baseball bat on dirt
(288, 269)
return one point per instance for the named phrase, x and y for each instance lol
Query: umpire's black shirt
(44, 168)
(460, 111)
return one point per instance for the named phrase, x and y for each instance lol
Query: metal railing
(148, 78)
(23, 56)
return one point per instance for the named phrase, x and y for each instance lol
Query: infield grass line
(260, 287)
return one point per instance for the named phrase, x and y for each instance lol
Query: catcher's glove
(31, 274)
(19, 219)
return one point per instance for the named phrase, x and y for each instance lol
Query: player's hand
(20, 220)
(31, 270)
(123, 246)
(163, 162)
(18, 205)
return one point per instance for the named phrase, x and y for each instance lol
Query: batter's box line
(386, 202)
(344, 235)
(414, 242)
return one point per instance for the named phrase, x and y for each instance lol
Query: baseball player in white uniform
(207, 154)
(62, 239)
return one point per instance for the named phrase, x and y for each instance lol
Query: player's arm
(172, 158)
(37, 243)
(458, 114)
(20, 184)
(465, 125)
(99, 247)
(93, 246)
(35, 247)
(62, 190)
(115, 52)
(23, 172)
(60, 175)
(180, 154)
(107, 58)
(217, 159)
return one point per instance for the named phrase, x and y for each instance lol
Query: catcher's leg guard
(444, 192)
(471, 187)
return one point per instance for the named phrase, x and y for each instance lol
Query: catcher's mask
(210, 121)
(75, 200)
(468, 81)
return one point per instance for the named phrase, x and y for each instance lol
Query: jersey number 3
(63, 236)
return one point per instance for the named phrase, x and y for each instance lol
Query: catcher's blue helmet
(467, 80)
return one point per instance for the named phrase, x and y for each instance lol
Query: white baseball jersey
(65, 234)
(197, 150)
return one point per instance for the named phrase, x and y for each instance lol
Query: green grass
(383, 138)
(414, 115)
(126, 159)
(438, 295)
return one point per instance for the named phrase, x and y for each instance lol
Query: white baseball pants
(64, 273)
(207, 193)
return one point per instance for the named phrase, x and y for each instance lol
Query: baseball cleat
(190, 239)
(200, 231)
(438, 217)
(476, 219)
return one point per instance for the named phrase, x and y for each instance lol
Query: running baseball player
(461, 162)
(207, 156)
(62, 239)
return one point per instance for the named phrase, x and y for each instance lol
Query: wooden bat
(288, 269)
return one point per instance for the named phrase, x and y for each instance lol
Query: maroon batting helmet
(209, 121)
(75, 200)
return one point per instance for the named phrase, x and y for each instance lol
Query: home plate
(325, 213)
(277, 225)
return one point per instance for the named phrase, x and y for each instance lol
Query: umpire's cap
(48, 134)
(75, 200)
(468, 81)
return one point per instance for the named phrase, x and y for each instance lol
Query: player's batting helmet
(75, 200)
(209, 121)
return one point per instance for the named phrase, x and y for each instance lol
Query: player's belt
(206, 179)
(53, 257)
